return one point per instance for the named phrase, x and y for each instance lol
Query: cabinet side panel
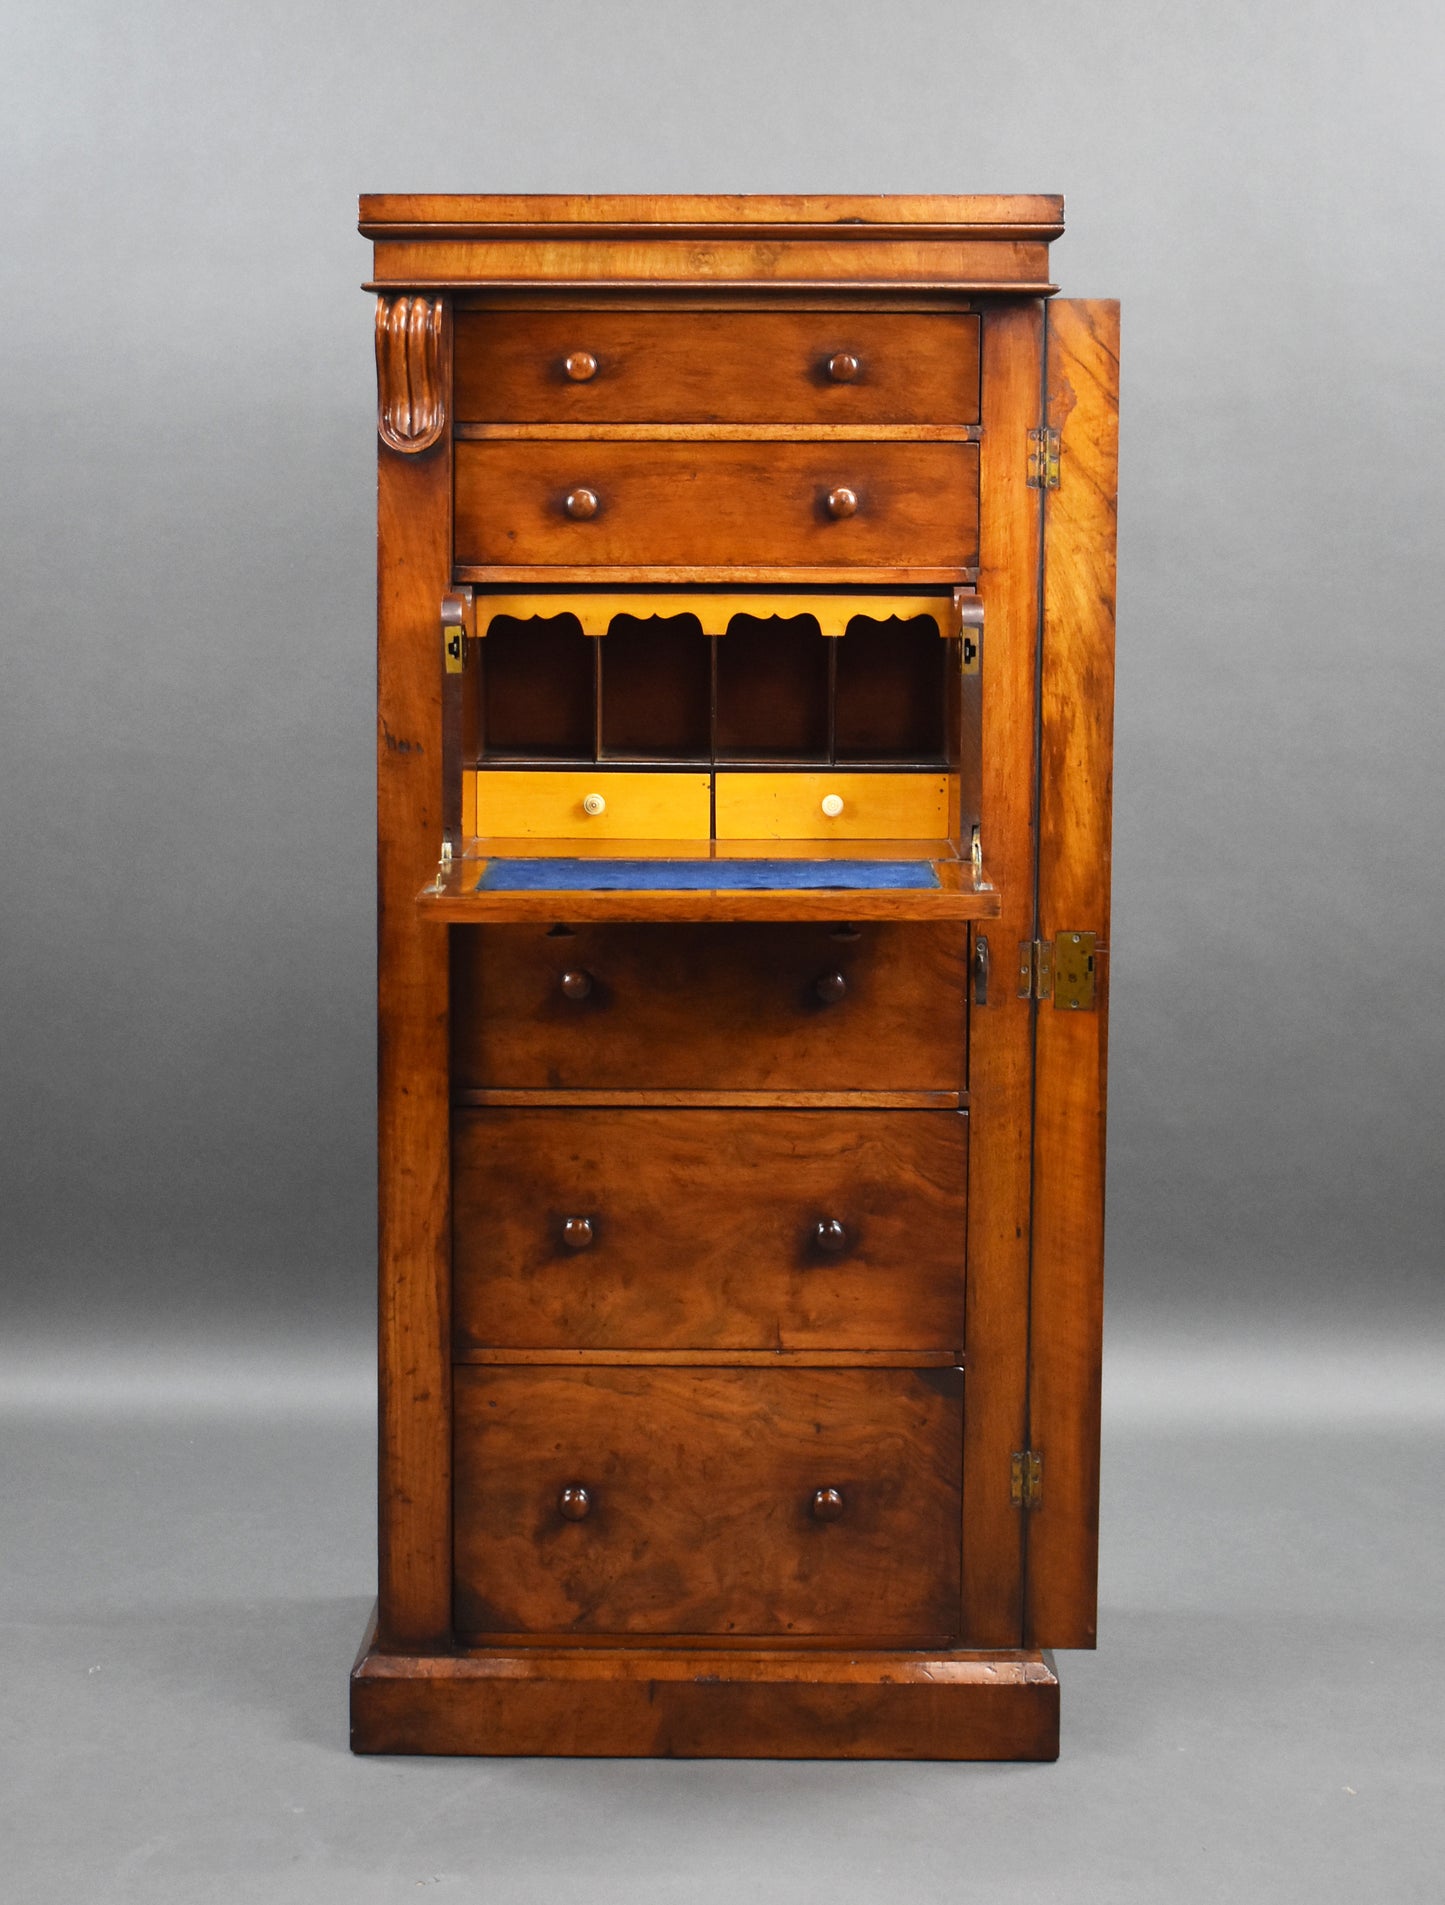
(413, 523)
(1077, 716)
(1000, 1041)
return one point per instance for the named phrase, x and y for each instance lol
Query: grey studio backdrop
(186, 1180)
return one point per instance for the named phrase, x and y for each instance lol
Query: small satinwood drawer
(702, 1229)
(544, 803)
(856, 367)
(877, 1007)
(835, 505)
(708, 1501)
(832, 806)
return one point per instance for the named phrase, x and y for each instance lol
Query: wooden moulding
(706, 1703)
(978, 244)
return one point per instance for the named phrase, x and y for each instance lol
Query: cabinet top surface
(1040, 216)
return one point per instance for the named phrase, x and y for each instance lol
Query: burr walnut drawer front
(647, 1500)
(863, 367)
(705, 1229)
(836, 505)
(877, 1007)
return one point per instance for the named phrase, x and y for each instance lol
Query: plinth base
(706, 1703)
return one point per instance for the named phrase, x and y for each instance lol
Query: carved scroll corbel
(410, 408)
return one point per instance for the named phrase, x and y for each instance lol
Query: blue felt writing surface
(700, 876)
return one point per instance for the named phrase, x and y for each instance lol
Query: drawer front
(717, 504)
(551, 804)
(715, 367)
(689, 1007)
(664, 1229)
(868, 806)
(685, 1501)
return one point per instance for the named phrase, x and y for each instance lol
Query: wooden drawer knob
(581, 367)
(830, 987)
(827, 1504)
(576, 985)
(842, 502)
(574, 1502)
(580, 504)
(843, 367)
(577, 1232)
(832, 805)
(594, 804)
(830, 1235)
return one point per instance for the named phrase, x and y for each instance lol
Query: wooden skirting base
(699, 1703)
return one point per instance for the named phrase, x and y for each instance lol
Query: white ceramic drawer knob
(832, 805)
(593, 804)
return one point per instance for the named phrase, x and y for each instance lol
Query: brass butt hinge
(459, 626)
(1026, 1478)
(1043, 459)
(1064, 969)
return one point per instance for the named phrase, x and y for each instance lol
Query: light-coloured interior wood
(541, 801)
(597, 609)
(789, 806)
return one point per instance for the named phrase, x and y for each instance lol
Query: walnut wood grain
(1072, 1050)
(704, 1229)
(713, 1702)
(714, 1007)
(916, 261)
(593, 1099)
(413, 496)
(1000, 1077)
(742, 504)
(719, 432)
(724, 367)
(680, 213)
(702, 1483)
(692, 574)
(724, 1358)
(410, 383)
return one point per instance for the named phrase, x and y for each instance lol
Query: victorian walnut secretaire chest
(745, 602)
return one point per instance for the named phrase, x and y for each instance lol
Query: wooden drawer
(702, 1229)
(790, 806)
(699, 1509)
(716, 367)
(548, 804)
(688, 1007)
(717, 504)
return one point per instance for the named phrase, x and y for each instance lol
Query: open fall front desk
(745, 674)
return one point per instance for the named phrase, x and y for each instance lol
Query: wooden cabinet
(745, 672)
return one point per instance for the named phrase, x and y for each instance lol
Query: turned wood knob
(580, 504)
(575, 1503)
(576, 985)
(577, 1232)
(843, 367)
(827, 1504)
(832, 805)
(830, 987)
(842, 502)
(830, 1235)
(580, 366)
(594, 804)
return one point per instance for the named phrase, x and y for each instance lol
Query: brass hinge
(459, 623)
(1026, 1478)
(1036, 968)
(1043, 459)
(1063, 969)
